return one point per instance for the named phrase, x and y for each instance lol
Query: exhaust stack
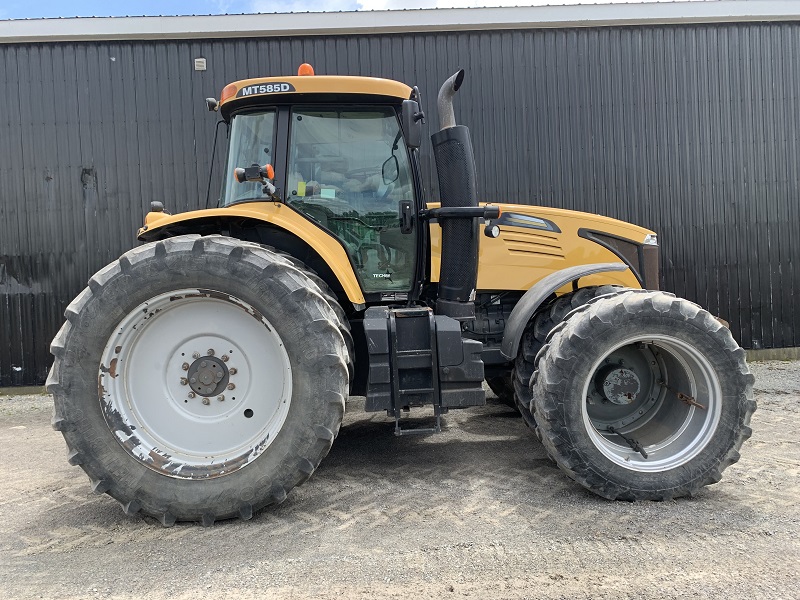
(455, 167)
(444, 102)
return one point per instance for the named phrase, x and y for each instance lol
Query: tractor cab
(333, 150)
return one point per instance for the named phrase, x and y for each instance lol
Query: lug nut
(183, 380)
(203, 364)
(225, 358)
(231, 386)
(232, 371)
(194, 379)
(206, 401)
(210, 352)
(195, 355)
(192, 394)
(185, 366)
(221, 397)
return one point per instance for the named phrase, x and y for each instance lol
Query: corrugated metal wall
(692, 131)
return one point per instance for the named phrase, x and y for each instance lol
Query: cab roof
(247, 89)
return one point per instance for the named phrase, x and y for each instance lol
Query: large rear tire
(341, 318)
(199, 378)
(642, 396)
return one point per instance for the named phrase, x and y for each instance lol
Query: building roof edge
(393, 21)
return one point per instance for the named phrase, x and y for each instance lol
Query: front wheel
(539, 327)
(199, 378)
(642, 395)
(503, 387)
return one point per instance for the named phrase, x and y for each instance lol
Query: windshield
(252, 137)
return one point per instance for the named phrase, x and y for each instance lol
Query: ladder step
(428, 431)
(412, 312)
(421, 431)
(416, 391)
(414, 353)
(414, 363)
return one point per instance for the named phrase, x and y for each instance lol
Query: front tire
(502, 385)
(199, 378)
(642, 396)
(533, 338)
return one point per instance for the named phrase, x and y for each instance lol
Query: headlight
(651, 239)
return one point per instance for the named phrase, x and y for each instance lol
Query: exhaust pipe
(455, 167)
(444, 102)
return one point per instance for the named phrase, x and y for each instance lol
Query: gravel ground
(478, 511)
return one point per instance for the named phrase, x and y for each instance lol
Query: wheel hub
(618, 384)
(670, 431)
(208, 376)
(195, 409)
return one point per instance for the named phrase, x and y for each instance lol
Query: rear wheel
(642, 395)
(342, 322)
(199, 378)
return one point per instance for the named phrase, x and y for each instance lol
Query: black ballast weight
(418, 358)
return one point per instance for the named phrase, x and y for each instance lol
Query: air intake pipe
(455, 166)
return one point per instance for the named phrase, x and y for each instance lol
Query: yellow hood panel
(524, 254)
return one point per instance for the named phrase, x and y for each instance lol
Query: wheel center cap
(208, 376)
(619, 385)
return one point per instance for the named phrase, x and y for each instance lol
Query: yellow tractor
(204, 374)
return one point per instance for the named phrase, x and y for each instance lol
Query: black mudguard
(534, 297)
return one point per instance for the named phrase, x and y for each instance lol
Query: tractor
(205, 373)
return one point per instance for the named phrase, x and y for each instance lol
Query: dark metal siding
(690, 130)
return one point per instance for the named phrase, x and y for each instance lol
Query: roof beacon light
(228, 92)
(305, 69)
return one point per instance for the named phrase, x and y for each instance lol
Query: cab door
(348, 170)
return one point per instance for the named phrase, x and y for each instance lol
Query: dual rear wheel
(636, 394)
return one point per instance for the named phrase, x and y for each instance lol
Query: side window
(252, 139)
(349, 171)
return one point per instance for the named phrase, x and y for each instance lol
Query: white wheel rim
(673, 432)
(178, 428)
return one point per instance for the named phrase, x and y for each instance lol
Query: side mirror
(412, 119)
(390, 170)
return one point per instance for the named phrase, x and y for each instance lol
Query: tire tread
(331, 330)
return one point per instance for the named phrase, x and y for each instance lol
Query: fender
(533, 298)
(159, 224)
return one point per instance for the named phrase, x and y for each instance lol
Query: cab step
(417, 358)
